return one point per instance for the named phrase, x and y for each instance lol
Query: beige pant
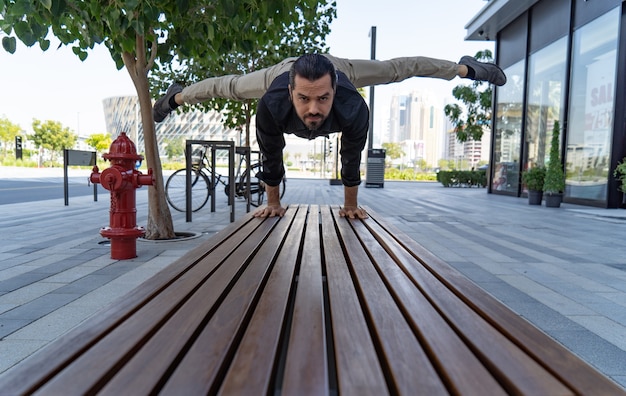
(362, 73)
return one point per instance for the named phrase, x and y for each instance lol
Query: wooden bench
(310, 303)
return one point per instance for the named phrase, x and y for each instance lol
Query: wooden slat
(406, 363)
(150, 364)
(510, 366)
(107, 356)
(41, 366)
(569, 368)
(255, 361)
(306, 368)
(244, 313)
(201, 369)
(358, 369)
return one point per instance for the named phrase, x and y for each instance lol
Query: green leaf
(9, 44)
(38, 30)
(182, 6)
(46, 3)
(44, 44)
(131, 4)
(58, 8)
(82, 55)
(229, 8)
(24, 33)
(21, 8)
(210, 31)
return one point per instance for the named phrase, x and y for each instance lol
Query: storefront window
(546, 79)
(590, 124)
(508, 131)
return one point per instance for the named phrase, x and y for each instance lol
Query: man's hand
(270, 211)
(350, 208)
(352, 212)
(273, 208)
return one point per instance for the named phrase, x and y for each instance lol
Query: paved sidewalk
(562, 269)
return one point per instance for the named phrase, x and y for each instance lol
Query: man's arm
(353, 113)
(271, 143)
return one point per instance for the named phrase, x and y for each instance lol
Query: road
(32, 190)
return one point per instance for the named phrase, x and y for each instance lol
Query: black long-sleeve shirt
(277, 116)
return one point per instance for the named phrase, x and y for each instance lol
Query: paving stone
(563, 269)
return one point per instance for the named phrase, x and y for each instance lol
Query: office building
(563, 63)
(122, 115)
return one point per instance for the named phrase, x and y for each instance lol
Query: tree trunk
(159, 224)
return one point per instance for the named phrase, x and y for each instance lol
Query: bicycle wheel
(257, 187)
(176, 186)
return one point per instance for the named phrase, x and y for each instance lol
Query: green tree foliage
(140, 34)
(421, 163)
(52, 137)
(8, 132)
(476, 100)
(101, 142)
(174, 147)
(393, 151)
(304, 35)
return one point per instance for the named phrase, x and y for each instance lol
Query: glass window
(546, 80)
(508, 131)
(590, 124)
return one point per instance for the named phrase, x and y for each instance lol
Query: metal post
(231, 179)
(188, 182)
(337, 157)
(370, 138)
(248, 179)
(65, 181)
(213, 181)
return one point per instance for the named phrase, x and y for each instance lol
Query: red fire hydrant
(121, 179)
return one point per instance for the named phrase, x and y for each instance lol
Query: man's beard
(313, 124)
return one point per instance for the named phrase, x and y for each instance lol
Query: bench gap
(330, 339)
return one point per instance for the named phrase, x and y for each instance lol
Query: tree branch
(153, 55)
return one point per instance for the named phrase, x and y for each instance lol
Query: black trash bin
(375, 173)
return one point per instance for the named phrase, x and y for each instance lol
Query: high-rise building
(417, 122)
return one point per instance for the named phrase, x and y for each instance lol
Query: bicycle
(201, 189)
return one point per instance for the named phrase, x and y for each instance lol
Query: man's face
(312, 100)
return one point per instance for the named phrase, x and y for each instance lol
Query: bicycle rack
(214, 145)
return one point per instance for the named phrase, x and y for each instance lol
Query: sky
(56, 85)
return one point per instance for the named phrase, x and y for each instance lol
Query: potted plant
(534, 178)
(554, 183)
(620, 173)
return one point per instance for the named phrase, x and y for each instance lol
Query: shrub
(534, 178)
(555, 179)
(456, 178)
